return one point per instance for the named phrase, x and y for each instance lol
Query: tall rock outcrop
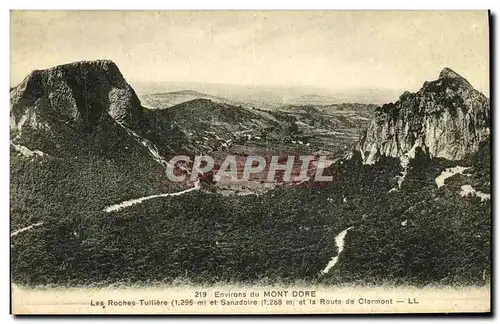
(80, 92)
(447, 118)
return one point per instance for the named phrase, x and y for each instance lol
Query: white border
(198, 4)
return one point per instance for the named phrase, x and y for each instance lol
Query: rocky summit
(447, 118)
(81, 92)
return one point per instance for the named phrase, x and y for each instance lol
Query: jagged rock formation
(447, 118)
(80, 92)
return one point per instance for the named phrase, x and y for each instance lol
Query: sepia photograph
(250, 162)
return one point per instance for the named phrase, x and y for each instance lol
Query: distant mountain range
(270, 97)
(169, 99)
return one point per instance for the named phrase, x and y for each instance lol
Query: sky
(334, 50)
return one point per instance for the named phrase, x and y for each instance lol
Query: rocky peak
(447, 118)
(448, 73)
(81, 92)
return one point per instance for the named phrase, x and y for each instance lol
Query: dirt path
(132, 202)
(339, 242)
(27, 228)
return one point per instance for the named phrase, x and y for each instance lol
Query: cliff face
(447, 118)
(81, 92)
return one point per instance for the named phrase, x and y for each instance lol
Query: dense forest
(418, 235)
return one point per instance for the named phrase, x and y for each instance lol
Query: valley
(409, 204)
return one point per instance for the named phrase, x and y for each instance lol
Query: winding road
(132, 202)
(339, 242)
(27, 228)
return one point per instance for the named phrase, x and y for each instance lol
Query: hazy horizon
(272, 93)
(334, 51)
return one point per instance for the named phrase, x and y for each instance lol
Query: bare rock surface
(447, 118)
